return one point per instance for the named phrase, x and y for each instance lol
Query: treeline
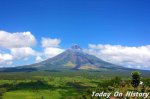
(32, 85)
(26, 85)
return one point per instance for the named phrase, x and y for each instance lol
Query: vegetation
(135, 79)
(65, 85)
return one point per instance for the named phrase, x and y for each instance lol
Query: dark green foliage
(146, 82)
(109, 85)
(110, 88)
(2, 91)
(136, 76)
(35, 85)
(113, 82)
(31, 85)
(76, 85)
(6, 86)
(143, 89)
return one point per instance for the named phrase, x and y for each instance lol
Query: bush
(2, 91)
(146, 82)
(113, 82)
(31, 85)
(110, 88)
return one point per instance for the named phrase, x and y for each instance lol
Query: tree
(136, 76)
(2, 91)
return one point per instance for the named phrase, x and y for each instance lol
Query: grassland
(64, 84)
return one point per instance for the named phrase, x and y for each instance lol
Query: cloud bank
(15, 46)
(16, 40)
(132, 57)
(51, 47)
(5, 59)
(22, 53)
(49, 42)
(19, 47)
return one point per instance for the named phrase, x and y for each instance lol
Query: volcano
(74, 58)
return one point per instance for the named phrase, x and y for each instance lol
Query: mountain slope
(74, 58)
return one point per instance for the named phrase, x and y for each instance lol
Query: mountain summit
(74, 58)
(76, 47)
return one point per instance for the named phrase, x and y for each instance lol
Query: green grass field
(63, 85)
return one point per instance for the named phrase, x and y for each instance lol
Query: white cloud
(5, 59)
(51, 52)
(22, 53)
(51, 47)
(17, 45)
(38, 59)
(19, 54)
(133, 57)
(48, 42)
(16, 40)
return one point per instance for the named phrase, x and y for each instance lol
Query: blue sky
(123, 22)
(83, 22)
